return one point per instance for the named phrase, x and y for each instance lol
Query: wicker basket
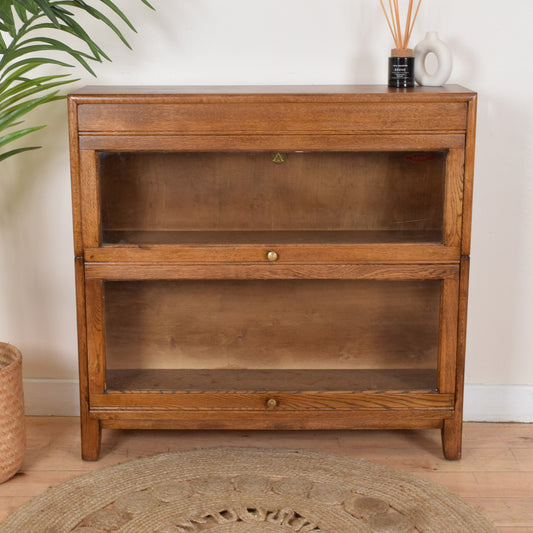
(12, 434)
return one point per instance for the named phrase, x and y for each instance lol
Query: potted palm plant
(40, 43)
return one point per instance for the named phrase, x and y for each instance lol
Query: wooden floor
(495, 474)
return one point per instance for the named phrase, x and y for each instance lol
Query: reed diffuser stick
(413, 22)
(388, 20)
(401, 39)
(407, 23)
(393, 22)
(398, 25)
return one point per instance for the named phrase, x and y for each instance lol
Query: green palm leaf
(34, 62)
(9, 116)
(32, 35)
(5, 155)
(28, 88)
(13, 136)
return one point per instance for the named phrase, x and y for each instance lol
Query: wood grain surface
(195, 251)
(495, 474)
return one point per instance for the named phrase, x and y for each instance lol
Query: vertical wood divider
(90, 199)
(96, 363)
(469, 176)
(448, 335)
(453, 204)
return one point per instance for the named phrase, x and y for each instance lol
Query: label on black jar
(400, 71)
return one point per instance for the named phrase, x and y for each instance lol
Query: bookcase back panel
(173, 198)
(271, 325)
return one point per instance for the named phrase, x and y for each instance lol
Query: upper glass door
(262, 197)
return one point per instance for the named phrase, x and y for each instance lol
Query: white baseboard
(52, 397)
(483, 403)
(498, 403)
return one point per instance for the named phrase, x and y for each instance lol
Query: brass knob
(272, 256)
(271, 403)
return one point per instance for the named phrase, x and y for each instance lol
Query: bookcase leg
(91, 437)
(452, 435)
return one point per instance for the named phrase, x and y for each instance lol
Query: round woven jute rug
(247, 490)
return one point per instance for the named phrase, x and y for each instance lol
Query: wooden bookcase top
(321, 92)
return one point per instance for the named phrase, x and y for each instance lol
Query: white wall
(295, 42)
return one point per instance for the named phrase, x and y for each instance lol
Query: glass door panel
(297, 197)
(282, 335)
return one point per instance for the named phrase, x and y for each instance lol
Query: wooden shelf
(209, 380)
(271, 238)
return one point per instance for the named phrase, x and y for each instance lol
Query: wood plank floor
(495, 474)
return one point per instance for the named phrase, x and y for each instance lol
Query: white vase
(432, 45)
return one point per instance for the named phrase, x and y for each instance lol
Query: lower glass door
(271, 335)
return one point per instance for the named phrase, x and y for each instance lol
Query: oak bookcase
(272, 257)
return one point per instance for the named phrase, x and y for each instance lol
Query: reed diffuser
(402, 61)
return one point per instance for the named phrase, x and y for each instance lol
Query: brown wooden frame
(337, 118)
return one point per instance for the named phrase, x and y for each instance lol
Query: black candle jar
(401, 71)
